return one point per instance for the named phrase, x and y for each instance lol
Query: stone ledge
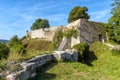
(29, 67)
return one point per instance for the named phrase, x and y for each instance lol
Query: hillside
(38, 45)
(105, 67)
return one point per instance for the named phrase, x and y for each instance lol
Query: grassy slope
(34, 47)
(106, 67)
(38, 45)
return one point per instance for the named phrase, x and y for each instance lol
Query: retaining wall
(29, 67)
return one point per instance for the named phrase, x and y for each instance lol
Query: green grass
(38, 45)
(106, 67)
(33, 48)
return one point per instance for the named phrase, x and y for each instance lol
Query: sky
(17, 16)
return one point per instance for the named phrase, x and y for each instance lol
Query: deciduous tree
(40, 23)
(77, 13)
(114, 22)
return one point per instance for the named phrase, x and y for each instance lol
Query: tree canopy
(114, 22)
(4, 50)
(77, 13)
(40, 23)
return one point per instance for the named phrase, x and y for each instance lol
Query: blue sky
(17, 16)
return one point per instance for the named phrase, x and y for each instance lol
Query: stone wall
(74, 41)
(29, 67)
(46, 33)
(88, 31)
(91, 31)
(74, 24)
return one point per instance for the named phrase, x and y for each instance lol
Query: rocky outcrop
(29, 67)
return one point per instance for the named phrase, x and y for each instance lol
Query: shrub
(13, 41)
(4, 51)
(71, 33)
(80, 48)
(58, 38)
(18, 48)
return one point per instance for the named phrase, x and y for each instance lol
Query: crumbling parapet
(29, 67)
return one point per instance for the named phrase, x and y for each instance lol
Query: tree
(114, 22)
(40, 23)
(16, 46)
(14, 40)
(4, 51)
(77, 13)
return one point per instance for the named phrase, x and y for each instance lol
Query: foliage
(4, 51)
(40, 23)
(80, 48)
(13, 41)
(16, 46)
(58, 38)
(71, 33)
(114, 22)
(77, 13)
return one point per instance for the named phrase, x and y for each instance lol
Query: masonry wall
(29, 67)
(88, 31)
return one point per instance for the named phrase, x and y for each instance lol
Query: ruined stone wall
(90, 31)
(49, 33)
(46, 33)
(30, 66)
(74, 24)
(74, 41)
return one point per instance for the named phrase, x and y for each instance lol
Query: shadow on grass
(41, 73)
(44, 76)
(88, 56)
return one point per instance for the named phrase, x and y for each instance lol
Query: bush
(4, 51)
(115, 52)
(58, 38)
(18, 48)
(71, 33)
(80, 48)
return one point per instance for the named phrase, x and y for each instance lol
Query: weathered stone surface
(63, 55)
(12, 76)
(88, 31)
(29, 67)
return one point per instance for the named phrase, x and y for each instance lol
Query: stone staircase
(62, 44)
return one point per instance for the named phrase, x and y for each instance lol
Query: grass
(38, 45)
(106, 67)
(33, 48)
